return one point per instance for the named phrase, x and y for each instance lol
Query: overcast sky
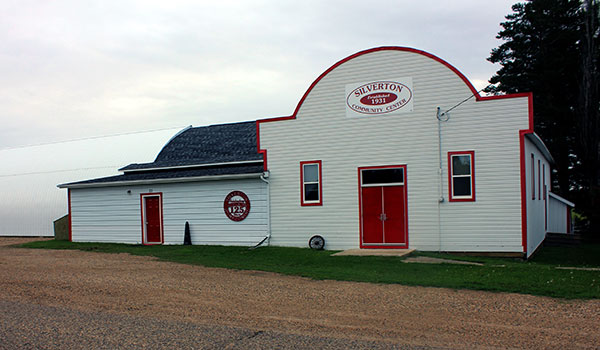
(76, 69)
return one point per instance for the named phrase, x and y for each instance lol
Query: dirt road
(119, 285)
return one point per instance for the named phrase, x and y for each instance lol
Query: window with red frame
(310, 183)
(461, 174)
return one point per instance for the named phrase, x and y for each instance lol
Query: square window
(311, 192)
(311, 173)
(461, 186)
(461, 165)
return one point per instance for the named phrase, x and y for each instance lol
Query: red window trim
(302, 201)
(450, 188)
(162, 231)
(532, 176)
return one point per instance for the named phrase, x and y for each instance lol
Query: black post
(187, 239)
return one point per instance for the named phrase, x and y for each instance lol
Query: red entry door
(372, 209)
(383, 216)
(152, 219)
(393, 215)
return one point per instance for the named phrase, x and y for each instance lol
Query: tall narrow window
(532, 177)
(544, 180)
(539, 181)
(461, 176)
(545, 197)
(310, 183)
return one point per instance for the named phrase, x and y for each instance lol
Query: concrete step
(375, 252)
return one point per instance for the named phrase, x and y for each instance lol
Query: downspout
(441, 117)
(264, 177)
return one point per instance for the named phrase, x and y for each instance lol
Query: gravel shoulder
(120, 285)
(34, 327)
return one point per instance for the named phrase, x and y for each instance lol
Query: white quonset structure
(30, 199)
(384, 150)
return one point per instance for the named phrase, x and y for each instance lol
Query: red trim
(451, 198)
(320, 202)
(70, 215)
(522, 134)
(261, 151)
(404, 246)
(152, 194)
(523, 190)
(388, 48)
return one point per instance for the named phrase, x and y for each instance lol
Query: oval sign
(379, 97)
(236, 205)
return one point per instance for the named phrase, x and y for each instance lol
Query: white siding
(537, 212)
(557, 216)
(110, 214)
(322, 131)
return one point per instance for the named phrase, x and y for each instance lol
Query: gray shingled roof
(201, 146)
(207, 145)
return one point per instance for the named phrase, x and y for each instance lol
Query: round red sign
(236, 205)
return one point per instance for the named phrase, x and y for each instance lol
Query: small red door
(152, 219)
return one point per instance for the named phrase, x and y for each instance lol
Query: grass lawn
(538, 276)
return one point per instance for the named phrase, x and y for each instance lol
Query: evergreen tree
(550, 48)
(588, 116)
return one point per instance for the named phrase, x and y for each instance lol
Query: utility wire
(465, 100)
(61, 171)
(91, 138)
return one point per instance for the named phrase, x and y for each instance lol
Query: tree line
(551, 48)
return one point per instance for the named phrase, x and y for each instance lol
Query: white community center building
(384, 150)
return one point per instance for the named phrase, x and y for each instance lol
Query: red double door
(383, 216)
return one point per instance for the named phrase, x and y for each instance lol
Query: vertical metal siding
(110, 214)
(536, 208)
(322, 131)
(557, 216)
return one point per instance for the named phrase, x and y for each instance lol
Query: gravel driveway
(51, 299)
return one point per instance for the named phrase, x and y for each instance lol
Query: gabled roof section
(537, 141)
(206, 146)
